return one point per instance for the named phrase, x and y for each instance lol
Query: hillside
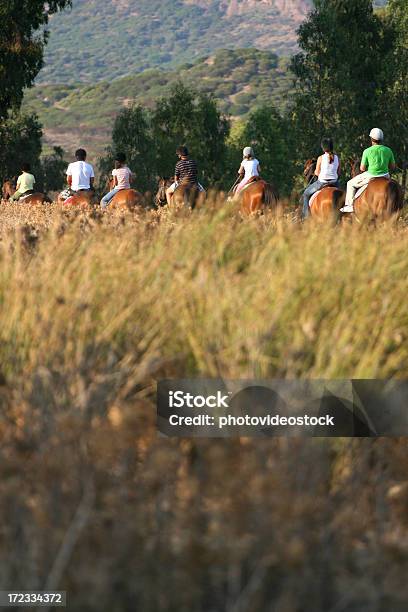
(105, 39)
(240, 80)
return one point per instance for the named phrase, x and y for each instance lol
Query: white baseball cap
(377, 134)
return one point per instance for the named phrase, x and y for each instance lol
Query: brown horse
(381, 200)
(9, 189)
(80, 199)
(125, 199)
(184, 195)
(328, 201)
(258, 196)
(189, 196)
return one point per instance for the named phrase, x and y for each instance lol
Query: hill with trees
(100, 40)
(240, 80)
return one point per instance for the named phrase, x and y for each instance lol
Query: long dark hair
(327, 146)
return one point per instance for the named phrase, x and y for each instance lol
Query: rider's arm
(259, 168)
(392, 165)
(318, 166)
(69, 180)
(364, 165)
(339, 169)
(241, 170)
(92, 181)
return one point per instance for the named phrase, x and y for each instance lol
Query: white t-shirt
(251, 168)
(123, 175)
(81, 173)
(329, 171)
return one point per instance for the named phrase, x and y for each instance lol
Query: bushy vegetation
(94, 310)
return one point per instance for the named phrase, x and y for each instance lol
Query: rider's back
(251, 168)
(81, 173)
(187, 172)
(329, 168)
(377, 159)
(26, 182)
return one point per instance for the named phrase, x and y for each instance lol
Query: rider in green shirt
(378, 160)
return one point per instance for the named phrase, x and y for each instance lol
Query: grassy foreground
(94, 309)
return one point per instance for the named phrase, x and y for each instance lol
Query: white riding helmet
(377, 134)
(248, 151)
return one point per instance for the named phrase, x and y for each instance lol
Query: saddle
(26, 194)
(253, 179)
(314, 196)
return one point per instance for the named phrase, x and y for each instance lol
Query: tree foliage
(20, 141)
(272, 136)
(341, 74)
(149, 137)
(397, 114)
(23, 36)
(132, 136)
(53, 167)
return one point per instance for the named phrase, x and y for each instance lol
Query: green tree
(187, 117)
(23, 36)
(53, 169)
(132, 136)
(341, 74)
(272, 137)
(397, 115)
(150, 138)
(20, 141)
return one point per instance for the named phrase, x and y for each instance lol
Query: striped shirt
(186, 172)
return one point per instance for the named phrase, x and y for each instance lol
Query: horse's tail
(271, 196)
(394, 198)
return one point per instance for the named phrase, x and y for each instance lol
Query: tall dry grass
(94, 309)
(213, 294)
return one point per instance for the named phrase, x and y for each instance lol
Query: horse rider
(25, 183)
(377, 161)
(122, 176)
(328, 170)
(80, 175)
(186, 173)
(249, 168)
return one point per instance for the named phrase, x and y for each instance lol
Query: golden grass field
(94, 309)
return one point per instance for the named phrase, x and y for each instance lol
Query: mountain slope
(105, 39)
(240, 80)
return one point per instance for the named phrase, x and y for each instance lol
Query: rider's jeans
(310, 190)
(109, 196)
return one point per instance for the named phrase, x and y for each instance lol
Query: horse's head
(309, 169)
(354, 167)
(163, 184)
(9, 188)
